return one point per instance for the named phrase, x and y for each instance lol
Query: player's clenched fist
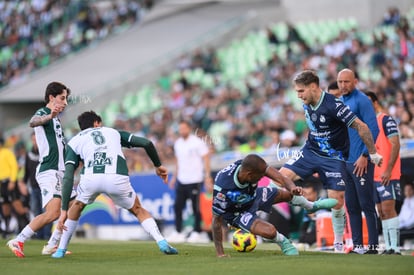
(162, 172)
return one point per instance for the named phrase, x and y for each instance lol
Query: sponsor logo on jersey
(264, 195)
(342, 111)
(221, 196)
(333, 174)
(221, 204)
(314, 117)
(391, 124)
(100, 159)
(380, 188)
(245, 218)
(321, 134)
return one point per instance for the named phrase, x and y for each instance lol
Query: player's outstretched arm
(368, 140)
(275, 175)
(129, 140)
(218, 235)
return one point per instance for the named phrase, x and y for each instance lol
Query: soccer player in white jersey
(105, 171)
(49, 174)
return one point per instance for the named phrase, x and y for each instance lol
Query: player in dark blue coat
(359, 196)
(237, 198)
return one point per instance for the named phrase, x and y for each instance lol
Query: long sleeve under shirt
(362, 107)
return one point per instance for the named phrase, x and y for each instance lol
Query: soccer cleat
(371, 251)
(338, 247)
(50, 250)
(359, 251)
(323, 204)
(166, 248)
(16, 247)
(288, 248)
(176, 237)
(60, 253)
(196, 237)
(391, 252)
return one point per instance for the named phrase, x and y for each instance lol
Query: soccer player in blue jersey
(327, 146)
(387, 177)
(236, 199)
(359, 193)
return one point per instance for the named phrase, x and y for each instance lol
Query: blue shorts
(390, 192)
(331, 171)
(265, 198)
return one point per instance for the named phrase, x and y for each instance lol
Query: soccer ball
(243, 241)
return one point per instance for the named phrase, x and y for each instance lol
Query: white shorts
(50, 183)
(117, 187)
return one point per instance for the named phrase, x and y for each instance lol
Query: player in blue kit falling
(327, 146)
(237, 198)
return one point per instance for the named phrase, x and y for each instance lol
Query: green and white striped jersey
(100, 149)
(51, 143)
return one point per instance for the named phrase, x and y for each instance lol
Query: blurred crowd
(265, 114)
(34, 33)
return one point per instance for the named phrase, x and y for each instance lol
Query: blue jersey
(362, 107)
(231, 196)
(390, 126)
(328, 122)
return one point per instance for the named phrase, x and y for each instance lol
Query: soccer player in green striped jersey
(105, 171)
(49, 173)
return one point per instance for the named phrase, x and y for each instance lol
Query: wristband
(375, 158)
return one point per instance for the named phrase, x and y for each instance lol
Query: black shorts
(6, 195)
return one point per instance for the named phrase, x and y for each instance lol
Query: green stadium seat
(110, 112)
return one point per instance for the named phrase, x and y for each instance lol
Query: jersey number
(98, 138)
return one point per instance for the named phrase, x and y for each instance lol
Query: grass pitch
(138, 257)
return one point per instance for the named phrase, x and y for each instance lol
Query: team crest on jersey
(314, 117)
(322, 119)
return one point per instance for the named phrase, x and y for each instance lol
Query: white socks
(302, 202)
(391, 232)
(26, 234)
(151, 227)
(338, 224)
(54, 239)
(67, 234)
